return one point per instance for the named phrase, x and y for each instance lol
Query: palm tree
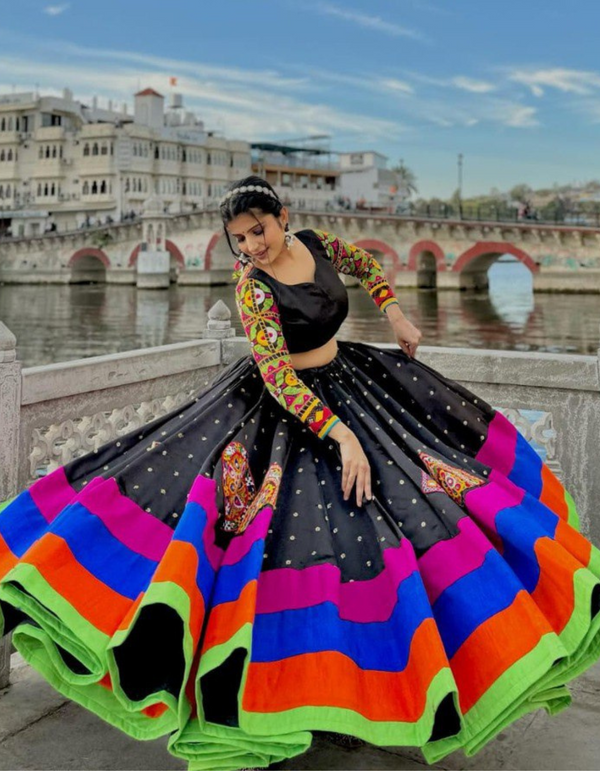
(406, 180)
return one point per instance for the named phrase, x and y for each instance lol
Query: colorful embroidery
(260, 318)
(242, 502)
(454, 481)
(354, 261)
(429, 485)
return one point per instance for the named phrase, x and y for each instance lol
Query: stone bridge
(447, 254)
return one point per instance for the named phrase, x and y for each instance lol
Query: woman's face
(258, 235)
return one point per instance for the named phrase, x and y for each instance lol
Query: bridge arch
(88, 265)
(427, 259)
(473, 264)
(487, 252)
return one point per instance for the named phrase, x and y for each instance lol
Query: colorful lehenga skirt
(204, 578)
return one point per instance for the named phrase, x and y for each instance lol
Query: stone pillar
(153, 262)
(153, 268)
(10, 408)
(219, 322)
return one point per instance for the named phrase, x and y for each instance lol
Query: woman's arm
(260, 318)
(354, 261)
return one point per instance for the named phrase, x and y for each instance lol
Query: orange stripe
(555, 591)
(96, 602)
(332, 679)
(127, 618)
(553, 493)
(155, 710)
(180, 565)
(495, 646)
(573, 542)
(228, 617)
(7, 558)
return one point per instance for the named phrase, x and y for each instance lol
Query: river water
(61, 322)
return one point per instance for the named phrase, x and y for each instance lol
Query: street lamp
(460, 181)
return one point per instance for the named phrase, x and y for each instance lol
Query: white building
(70, 163)
(366, 181)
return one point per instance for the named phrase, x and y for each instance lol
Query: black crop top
(311, 312)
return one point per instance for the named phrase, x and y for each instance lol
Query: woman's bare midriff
(315, 357)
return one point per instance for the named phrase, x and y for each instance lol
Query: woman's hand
(355, 466)
(407, 335)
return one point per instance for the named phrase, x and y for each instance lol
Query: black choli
(311, 312)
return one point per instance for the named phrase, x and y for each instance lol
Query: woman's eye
(258, 232)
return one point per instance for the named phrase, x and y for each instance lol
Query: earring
(289, 237)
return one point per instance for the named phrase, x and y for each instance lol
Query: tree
(405, 179)
(521, 193)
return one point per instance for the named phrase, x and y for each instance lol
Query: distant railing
(588, 218)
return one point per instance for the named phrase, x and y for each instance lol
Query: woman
(329, 537)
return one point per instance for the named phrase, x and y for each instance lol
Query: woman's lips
(262, 254)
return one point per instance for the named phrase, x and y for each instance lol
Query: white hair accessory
(248, 189)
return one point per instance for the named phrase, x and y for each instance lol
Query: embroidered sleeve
(354, 261)
(260, 319)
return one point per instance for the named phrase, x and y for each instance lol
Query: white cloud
(580, 82)
(56, 10)
(513, 114)
(474, 86)
(397, 85)
(369, 22)
(244, 111)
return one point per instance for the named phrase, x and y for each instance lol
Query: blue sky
(514, 85)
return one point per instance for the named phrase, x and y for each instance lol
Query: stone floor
(39, 729)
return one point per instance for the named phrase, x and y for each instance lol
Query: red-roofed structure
(149, 92)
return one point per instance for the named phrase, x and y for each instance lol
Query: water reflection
(61, 322)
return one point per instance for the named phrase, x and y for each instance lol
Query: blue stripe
(21, 523)
(190, 529)
(380, 645)
(474, 598)
(527, 468)
(97, 550)
(231, 579)
(520, 527)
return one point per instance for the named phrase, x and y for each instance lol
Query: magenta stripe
(240, 545)
(52, 493)
(500, 446)
(362, 601)
(447, 561)
(128, 522)
(483, 503)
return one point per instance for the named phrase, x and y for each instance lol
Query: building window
(86, 188)
(54, 151)
(95, 149)
(94, 187)
(3, 125)
(104, 150)
(86, 149)
(9, 154)
(103, 186)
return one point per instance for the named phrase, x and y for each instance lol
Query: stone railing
(51, 414)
